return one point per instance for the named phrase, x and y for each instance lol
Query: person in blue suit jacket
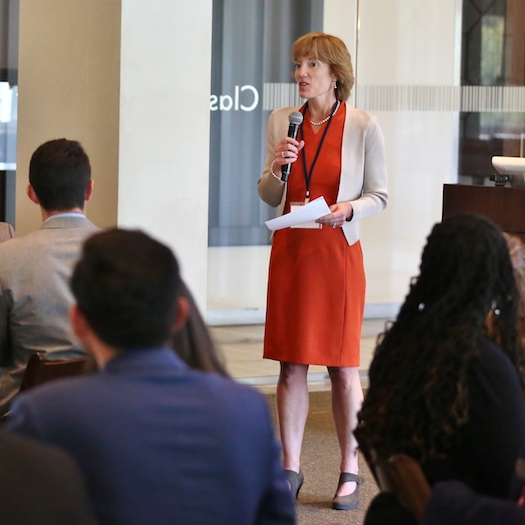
(158, 442)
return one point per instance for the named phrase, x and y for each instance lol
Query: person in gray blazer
(35, 268)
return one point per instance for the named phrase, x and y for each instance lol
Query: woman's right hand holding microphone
(286, 152)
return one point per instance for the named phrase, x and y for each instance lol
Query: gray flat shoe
(351, 501)
(296, 480)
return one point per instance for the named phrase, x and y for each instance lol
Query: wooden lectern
(501, 204)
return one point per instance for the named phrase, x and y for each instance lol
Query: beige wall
(69, 87)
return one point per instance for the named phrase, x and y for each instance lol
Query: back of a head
(125, 285)
(465, 266)
(59, 172)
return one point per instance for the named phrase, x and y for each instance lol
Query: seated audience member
(40, 485)
(157, 442)
(453, 503)
(444, 383)
(35, 268)
(193, 342)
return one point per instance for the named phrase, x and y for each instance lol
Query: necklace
(321, 122)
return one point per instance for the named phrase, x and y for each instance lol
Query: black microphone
(296, 120)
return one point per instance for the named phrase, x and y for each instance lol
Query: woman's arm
(280, 150)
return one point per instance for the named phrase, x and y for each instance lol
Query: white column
(164, 127)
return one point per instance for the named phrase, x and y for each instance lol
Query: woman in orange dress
(316, 288)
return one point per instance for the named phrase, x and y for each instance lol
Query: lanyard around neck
(308, 173)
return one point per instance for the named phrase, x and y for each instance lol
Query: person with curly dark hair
(444, 382)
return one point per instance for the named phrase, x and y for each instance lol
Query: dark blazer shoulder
(46, 479)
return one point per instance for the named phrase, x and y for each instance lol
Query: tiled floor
(242, 349)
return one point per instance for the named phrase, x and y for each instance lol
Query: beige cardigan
(363, 169)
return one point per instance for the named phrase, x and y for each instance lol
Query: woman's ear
(491, 325)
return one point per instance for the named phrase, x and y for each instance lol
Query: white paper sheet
(310, 212)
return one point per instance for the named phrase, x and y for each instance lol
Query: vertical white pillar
(164, 127)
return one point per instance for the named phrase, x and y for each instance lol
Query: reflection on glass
(492, 36)
(492, 55)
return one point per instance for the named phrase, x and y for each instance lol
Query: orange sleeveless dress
(316, 283)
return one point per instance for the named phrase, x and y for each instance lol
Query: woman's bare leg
(347, 398)
(292, 409)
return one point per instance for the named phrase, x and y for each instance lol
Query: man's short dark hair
(125, 285)
(59, 172)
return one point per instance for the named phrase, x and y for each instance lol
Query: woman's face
(314, 78)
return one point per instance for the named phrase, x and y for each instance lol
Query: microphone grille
(295, 118)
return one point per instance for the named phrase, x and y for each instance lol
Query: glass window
(492, 120)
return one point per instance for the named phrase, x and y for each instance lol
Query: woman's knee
(291, 371)
(344, 375)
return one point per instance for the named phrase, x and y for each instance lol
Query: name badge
(310, 225)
